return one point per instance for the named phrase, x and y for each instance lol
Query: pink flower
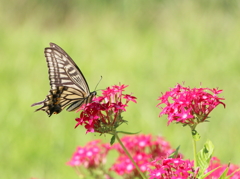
(136, 143)
(104, 114)
(215, 162)
(124, 166)
(143, 149)
(189, 105)
(90, 156)
(174, 168)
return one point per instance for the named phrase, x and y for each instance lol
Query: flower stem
(129, 156)
(194, 152)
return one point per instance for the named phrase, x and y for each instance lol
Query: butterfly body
(68, 85)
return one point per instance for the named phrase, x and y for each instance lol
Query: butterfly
(68, 85)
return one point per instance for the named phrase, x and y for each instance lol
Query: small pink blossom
(215, 162)
(104, 114)
(174, 168)
(143, 149)
(189, 105)
(124, 166)
(90, 156)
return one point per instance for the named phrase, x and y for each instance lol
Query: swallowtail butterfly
(68, 85)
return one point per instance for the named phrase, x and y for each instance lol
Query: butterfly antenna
(98, 83)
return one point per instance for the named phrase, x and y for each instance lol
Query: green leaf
(196, 136)
(204, 156)
(112, 140)
(224, 174)
(232, 174)
(175, 153)
(206, 174)
(131, 133)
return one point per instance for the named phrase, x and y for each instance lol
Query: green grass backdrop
(148, 45)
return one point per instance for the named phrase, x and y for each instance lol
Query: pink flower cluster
(151, 155)
(174, 168)
(91, 156)
(189, 105)
(143, 149)
(215, 162)
(104, 114)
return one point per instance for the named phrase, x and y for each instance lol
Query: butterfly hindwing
(68, 85)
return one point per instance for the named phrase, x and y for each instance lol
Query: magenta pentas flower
(104, 114)
(143, 149)
(215, 162)
(134, 143)
(90, 156)
(161, 148)
(139, 143)
(189, 106)
(123, 166)
(174, 168)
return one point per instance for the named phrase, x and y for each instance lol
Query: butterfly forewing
(63, 71)
(68, 85)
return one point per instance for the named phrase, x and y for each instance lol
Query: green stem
(194, 152)
(129, 156)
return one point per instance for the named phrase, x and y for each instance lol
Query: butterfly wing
(63, 71)
(68, 85)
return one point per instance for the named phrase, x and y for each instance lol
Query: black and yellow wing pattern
(68, 85)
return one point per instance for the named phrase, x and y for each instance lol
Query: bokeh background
(149, 45)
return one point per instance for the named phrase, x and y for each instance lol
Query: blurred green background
(148, 45)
